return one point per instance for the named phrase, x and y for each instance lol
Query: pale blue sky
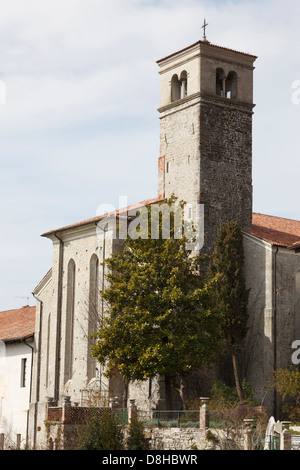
(80, 125)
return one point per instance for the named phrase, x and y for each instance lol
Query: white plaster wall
(14, 399)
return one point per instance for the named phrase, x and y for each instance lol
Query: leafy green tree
(287, 383)
(230, 297)
(159, 322)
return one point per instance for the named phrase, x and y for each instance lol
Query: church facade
(206, 111)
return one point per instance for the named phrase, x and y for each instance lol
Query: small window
(179, 86)
(167, 167)
(226, 86)
(231, 85)
(220, 82)
(175, 88)
(23, 371)
(183, 84)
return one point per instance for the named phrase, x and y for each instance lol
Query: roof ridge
(99, 217)
(18, 308)
(208, 44)
(276, 216)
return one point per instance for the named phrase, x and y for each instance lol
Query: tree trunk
(181, 390)
(239, 388)
(126, 387)
(168, 392)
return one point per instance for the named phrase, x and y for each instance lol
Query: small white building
(16, 352)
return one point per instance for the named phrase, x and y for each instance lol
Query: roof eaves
(24, 339)
(295, 246)
(265, 239)
(206, 43)
(117, 213)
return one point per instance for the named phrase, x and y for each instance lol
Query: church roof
(17, 324)
(278, 231)
(117, 213)
(275, 230)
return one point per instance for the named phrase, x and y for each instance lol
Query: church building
(205, 112)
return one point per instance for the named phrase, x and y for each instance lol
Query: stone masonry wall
(179, 142)
(225, 165)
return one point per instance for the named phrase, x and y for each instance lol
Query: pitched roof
(207, 44)
(117, 213)
(278, 231)
(17, 324)
(275, 230)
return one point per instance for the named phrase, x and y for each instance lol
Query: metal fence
(295, 441)
(170, 419)
(121, 415)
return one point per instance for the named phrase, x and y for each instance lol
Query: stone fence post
(247, 433)
(204, 414)
(285, 437)
(132, 411)
(66, 409)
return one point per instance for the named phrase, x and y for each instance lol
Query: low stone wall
(62, 422)
(176, 439)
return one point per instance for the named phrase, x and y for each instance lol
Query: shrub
(102, 432)
(136, 439)
(223, 396)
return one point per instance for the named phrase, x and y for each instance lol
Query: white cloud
(81, 108)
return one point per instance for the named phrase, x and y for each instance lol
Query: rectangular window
(23, 371)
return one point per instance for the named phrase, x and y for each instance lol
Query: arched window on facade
(179, 86)
(226, 86)
(183, 84)
(93, 315)
(175, 88)
(231, 85)
(220, 82)
(69, 335)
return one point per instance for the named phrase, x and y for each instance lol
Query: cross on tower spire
(204, 30)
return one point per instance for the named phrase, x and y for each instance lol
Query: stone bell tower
(206, 108)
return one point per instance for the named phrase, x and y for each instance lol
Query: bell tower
(206, 108)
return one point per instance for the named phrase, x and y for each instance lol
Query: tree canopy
(158, 320)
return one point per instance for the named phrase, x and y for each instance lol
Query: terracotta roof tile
(275, 230)
(100, 217)
(208, 44)
(17, 324)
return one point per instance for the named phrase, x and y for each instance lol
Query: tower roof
(208, 44)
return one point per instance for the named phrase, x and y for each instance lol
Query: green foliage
(102, 432)
(230, 297)
(159, 322)
(136, 439)
(287, 383)
(223, 396)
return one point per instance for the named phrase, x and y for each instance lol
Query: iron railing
(171, 419)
